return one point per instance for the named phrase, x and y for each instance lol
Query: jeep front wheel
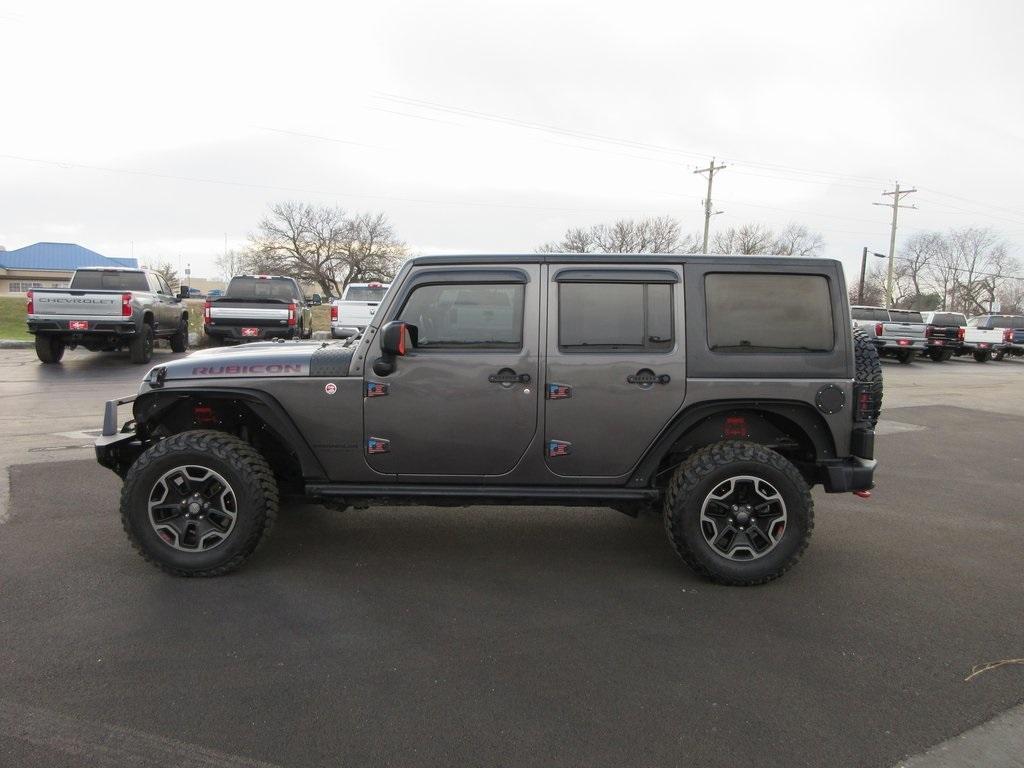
(738, 513)
(198, 503)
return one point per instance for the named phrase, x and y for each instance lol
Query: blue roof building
(49, 265)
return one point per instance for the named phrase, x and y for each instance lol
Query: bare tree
(229, 264)
(874, 288)
(798, 240)
(655, 235)
(980, 256)
(757, 239)
(322, 245)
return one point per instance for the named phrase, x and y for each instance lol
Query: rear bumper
(893, 345)
(953, 345)
(846, 475)
(234, 332)
(97, 327)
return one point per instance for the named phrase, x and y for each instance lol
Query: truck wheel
(998, 356)
(940, 355)
(141, 346)
(983, 357)
(738, 513)
(905, 356)
(868, 372)
(49, 349)
(179, 341)
(198, 503)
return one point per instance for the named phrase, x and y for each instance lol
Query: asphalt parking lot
(511, 636)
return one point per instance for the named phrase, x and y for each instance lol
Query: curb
(16, 344)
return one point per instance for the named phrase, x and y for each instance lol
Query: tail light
(30, 304)
(126, 305)
(929, 330)
(960, 333)
(207, 314)
(878, 329)
(291, 314)
(334, 313)
(1008, 335)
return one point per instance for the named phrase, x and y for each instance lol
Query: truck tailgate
(356, 313)
(244, 313)
(71, 304)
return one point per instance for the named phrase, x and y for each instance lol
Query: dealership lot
(416, 636)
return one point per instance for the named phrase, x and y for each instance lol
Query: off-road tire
(868, 372)
(141, 346)
(179, 341)
(49, 349)
(982, 357)
(700, 474)
(237, 462)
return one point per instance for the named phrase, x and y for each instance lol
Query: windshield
(109, 280)
(261, 288)
(364, 293)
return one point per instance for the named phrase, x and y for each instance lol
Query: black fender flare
(149, 406)
(801, 414)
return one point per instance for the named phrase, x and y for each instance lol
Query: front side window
(749, 312)
(614, 316)
(467, 315)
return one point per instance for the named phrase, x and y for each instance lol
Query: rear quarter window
(752, 312)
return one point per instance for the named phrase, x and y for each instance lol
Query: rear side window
(261, 288)
(906, 316)
(614, 316)
(768, 313)
(102, 280)
(467, 316)
(862, 314)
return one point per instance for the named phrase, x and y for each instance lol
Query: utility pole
(896, 195)
(863, 268)
(708, 213)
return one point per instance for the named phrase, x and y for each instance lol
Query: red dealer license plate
(939, 342)
(250, 331)
(78, 325)
(904, 342)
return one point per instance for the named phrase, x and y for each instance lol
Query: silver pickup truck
(898, 333)
(107, 310)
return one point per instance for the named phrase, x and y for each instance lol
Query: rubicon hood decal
(271, 359)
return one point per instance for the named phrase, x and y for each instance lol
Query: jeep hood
(259, 360)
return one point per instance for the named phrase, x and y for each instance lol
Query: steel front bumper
(117, 449)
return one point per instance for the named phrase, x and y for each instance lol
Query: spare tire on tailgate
(868, 376)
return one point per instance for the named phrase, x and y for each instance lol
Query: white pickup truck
(107, 309)
(898, 333)
(355, 309)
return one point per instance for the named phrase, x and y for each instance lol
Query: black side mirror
(396, 339)
(183, 292)
(317, 300)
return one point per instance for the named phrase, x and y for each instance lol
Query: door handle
(646, 378)
(507, 377)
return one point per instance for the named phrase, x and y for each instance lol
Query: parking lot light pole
(863, 267)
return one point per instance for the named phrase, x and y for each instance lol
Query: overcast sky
(159, 129)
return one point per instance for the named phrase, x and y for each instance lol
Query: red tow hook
(863, 494)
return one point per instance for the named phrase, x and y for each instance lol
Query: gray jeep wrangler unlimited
(718, 388)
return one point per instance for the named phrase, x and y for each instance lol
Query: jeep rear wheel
(738, 513)
(49, 349)
(198, 503)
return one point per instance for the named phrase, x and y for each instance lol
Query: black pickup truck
(944, 335)
(256, 307)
